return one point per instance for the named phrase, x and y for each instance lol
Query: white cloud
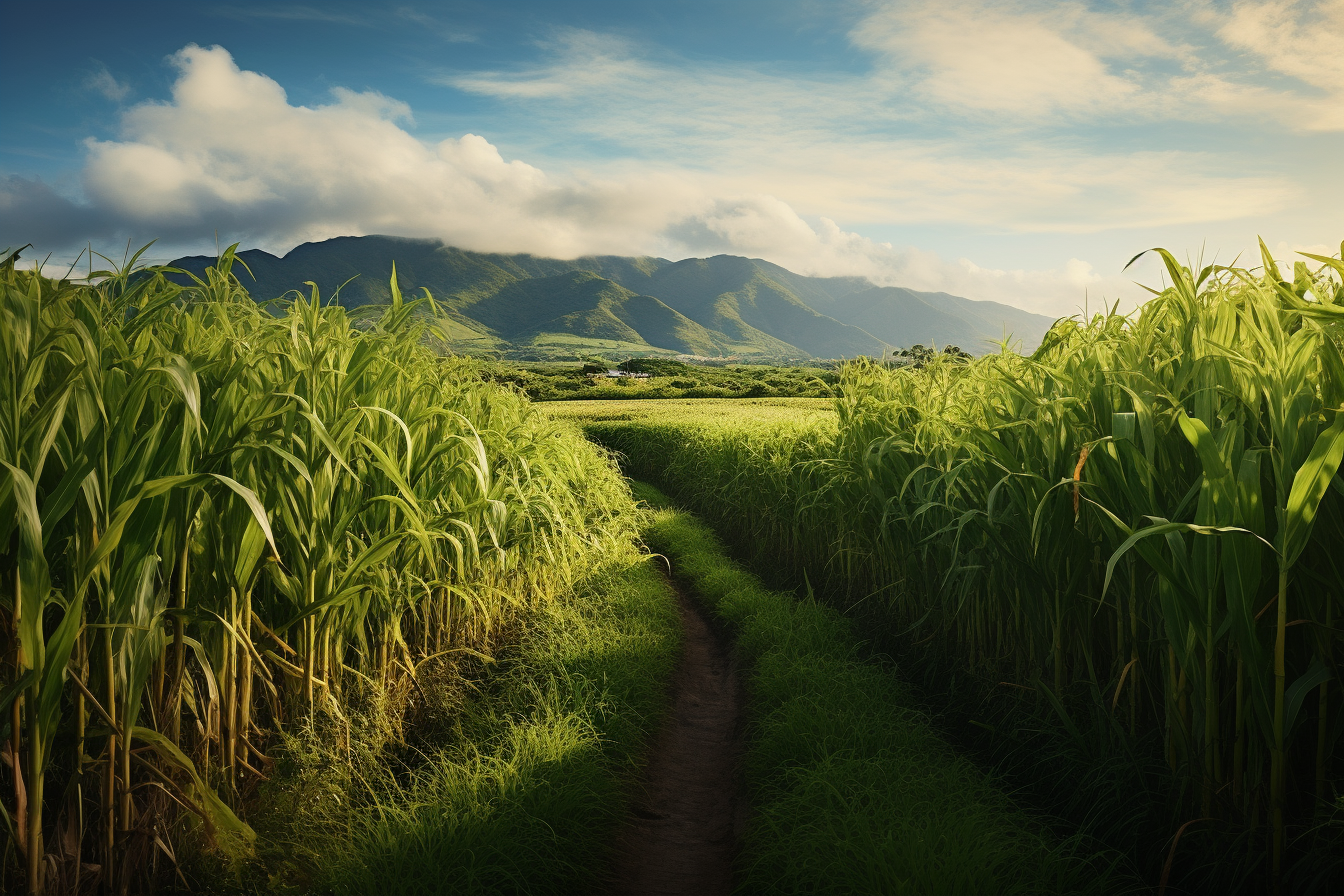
(1304, 41)
(229, 152)
(1006, 59)
(765, 227)
(1039, 61)
(854, 147)
(714, 158)
(102, 81)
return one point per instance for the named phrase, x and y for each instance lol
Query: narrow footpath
(682, 835)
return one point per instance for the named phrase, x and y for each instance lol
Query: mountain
(891, 313)
(725, 306)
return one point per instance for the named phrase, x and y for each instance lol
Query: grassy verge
(851, 789)
(668, 379)
(760, 475)
(527, 784)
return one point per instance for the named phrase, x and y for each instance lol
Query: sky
(1021, 152)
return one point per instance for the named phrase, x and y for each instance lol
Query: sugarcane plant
(214, 515)
(1139, 523)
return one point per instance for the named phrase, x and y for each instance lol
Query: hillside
(725, 306)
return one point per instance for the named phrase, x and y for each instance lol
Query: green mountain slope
(739, 297)
(580, 303)
(904, 317)
(719, 307)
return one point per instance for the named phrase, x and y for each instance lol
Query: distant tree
(655, 366)
(917, 355)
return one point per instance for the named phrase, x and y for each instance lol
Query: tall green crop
(212, 516)
(1144, 515)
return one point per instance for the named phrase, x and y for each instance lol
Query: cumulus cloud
(229, 154)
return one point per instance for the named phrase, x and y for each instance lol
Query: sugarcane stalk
(245, 674)
(36, 780)
(309, 645)
(1277, 773)
(179, 647)
(110, 768)
(229, 688)
(1322, 711)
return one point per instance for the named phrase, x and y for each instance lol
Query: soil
(683, 829)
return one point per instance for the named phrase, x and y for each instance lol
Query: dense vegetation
(665, 379)
(1132, 537)
(228, 533)
(524, 791)
(530, 308)
(295, 600)
(851, 790)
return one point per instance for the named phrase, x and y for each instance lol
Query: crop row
(215, 518)
(1144, 518)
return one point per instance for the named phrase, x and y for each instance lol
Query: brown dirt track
(682, 833)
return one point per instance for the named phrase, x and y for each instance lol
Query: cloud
(858, 147)
(1007, 59)
(1304, 41)
(101, 81)
(228, 154)
(1056, 61)
(291, 12)
(32, 212)
(331, 14)
(444, 32)
(1013, 64)
(770, 229)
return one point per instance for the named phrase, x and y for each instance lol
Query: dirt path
(681, 837)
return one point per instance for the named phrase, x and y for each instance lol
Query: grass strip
(529, 798)
(851, 789)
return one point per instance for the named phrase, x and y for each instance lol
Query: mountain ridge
(721, 306)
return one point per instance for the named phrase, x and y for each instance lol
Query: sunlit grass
(218, 521)
(1138, 525)
(851, 791)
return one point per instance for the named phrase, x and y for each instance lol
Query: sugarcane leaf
(254, 505)
(16, 687)
(1217, 473)
(1310, 484)
(250, 548)
(233, 835)
(33, 577)
(405, 430)
(58, 650)
(323, 436)
(1316, 675)
(59, 501)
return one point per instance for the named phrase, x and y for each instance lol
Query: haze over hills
(725, 306)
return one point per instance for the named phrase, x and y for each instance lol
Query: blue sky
(1017, 151)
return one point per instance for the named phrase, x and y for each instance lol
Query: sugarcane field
(672, 449)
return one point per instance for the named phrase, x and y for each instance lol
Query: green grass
(1000, 515)
(528, 790)
(226, 521)
(772, 414)
(851, 790)
(670, 379)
